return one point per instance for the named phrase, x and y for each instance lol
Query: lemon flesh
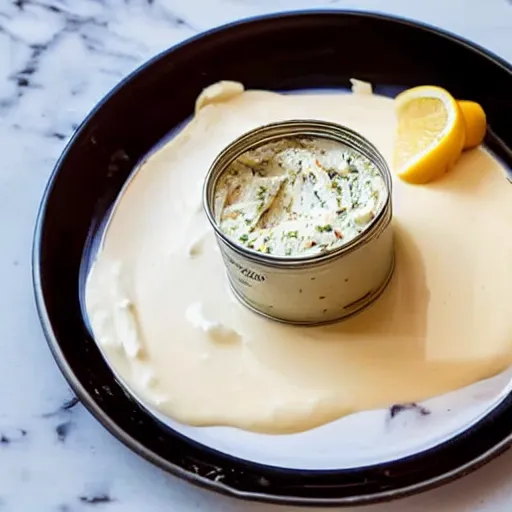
(431, 134)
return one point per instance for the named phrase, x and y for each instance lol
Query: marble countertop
(57, 59)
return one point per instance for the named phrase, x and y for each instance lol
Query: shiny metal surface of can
(315, 289)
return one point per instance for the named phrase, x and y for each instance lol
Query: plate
(366, 457)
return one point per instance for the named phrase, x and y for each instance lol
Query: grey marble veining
(57, 59)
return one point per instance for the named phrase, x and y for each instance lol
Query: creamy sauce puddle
(161, 311)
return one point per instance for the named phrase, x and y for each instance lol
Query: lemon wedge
(431, 133)
(476, 123)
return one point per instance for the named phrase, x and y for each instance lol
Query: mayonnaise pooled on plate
(166, 321)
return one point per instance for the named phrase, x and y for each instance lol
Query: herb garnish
(261, 192)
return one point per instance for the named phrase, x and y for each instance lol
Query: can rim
(262, 135)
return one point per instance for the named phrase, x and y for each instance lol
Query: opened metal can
(323, 287)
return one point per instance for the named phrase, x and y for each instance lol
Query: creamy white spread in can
(298, 196)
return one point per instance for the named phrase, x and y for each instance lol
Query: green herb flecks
(261, 193)
(324, 229)
(317, 195)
